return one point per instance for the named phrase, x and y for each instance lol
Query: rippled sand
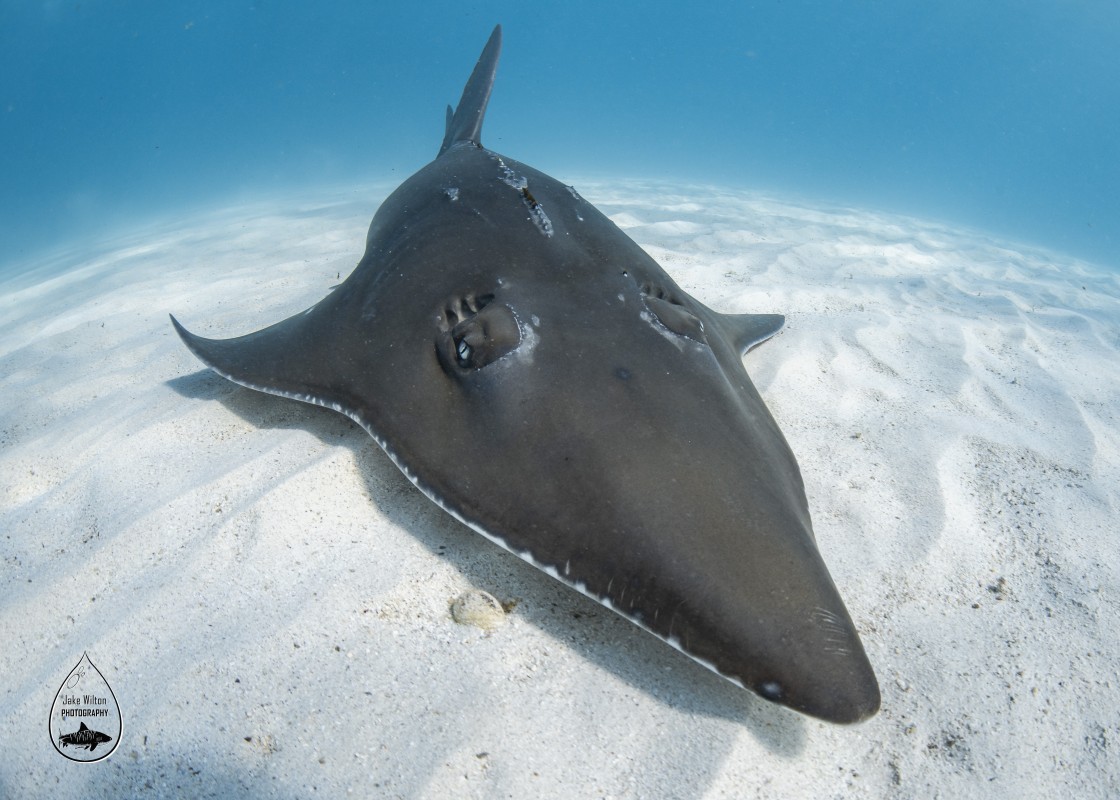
(269, 598)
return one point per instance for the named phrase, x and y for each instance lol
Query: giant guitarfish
(537, 375)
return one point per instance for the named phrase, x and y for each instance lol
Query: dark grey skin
(540, 377)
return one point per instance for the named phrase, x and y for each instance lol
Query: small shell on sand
(478, 608)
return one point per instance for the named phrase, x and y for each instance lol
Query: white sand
(268, 596)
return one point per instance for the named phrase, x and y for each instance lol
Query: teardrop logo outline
(85, 723)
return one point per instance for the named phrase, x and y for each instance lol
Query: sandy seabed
(269, 597)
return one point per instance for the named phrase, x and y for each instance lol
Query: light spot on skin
(655, 323)
(529, 339)
(771, 690)
(536, 211)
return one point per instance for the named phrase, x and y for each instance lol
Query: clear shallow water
(1001, 116)
(946, 402)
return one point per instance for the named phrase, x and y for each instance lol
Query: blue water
(1001, 115)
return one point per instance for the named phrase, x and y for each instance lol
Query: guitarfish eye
(476, 334)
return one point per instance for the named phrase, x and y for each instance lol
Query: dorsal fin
(465, 124)
(748, 330)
